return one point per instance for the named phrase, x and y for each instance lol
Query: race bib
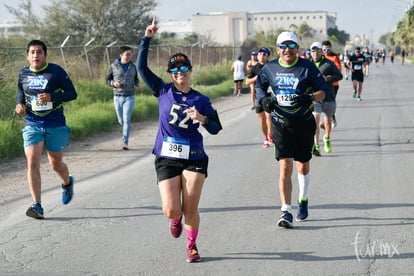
(357, 67)
(175, 147)
(285, 97)
(38, 106)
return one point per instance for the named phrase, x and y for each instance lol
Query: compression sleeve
(213, 125)
(149, 78)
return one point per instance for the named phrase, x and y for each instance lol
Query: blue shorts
(56, 138)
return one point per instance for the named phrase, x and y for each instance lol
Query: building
(232, 28)
(8, 28)
(179, 28)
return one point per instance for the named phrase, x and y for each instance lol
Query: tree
(24, 13)
(191, 38)
(341, 36)
(104, 20)
(404, 35)
(387, 40)
(303, 30)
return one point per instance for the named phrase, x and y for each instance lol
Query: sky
(370, 17)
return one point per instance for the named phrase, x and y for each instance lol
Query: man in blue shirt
(42, 89)
(294, 84)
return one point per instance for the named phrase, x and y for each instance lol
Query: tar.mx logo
(371, 249)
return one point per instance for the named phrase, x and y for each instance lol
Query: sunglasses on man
(283, 46)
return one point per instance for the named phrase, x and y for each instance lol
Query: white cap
(286, 36)
(316, 44)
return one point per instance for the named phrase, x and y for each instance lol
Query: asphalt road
(361, 203)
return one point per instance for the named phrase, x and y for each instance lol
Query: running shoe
(192, 254)
(286, 220)
(302, 210)
(35, 211)
(327, 146)
(68, 191)
(359, 98)
(334, 124)
(316, 150)
(176, 228)
(354, 95)
(125, 147)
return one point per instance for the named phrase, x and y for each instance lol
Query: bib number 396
(175, 147)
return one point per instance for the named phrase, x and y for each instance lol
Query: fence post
(107, 52)
(191, 50)
(61, 51)
(87, 58)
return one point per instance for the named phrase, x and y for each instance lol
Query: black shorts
(358, 76)
(294, 139)
(258, 105)
(259, 108)
(169, 168)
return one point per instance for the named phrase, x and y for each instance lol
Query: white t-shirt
(238, 70)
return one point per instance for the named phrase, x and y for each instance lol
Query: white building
(9, 28)
(234, 27)
(179, 28)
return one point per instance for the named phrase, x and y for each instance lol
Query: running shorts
(169, 168)
(294, 139)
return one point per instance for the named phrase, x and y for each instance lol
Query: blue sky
(370, 17)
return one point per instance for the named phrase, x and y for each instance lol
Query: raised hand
(152, 29)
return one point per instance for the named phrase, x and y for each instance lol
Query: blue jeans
(124, 105)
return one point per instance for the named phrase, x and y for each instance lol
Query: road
(361, 202)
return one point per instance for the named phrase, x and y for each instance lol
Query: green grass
(11, 140)
(93, 111)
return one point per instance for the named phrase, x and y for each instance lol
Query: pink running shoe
(176, 228)
(192, 254)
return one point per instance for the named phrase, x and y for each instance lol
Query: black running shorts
(295, 140)
(169, 168)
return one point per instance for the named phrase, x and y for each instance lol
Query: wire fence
(93, 62)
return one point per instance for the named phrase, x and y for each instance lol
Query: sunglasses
(316, 51)
(326, 49)
(182, 68)
(290, 46)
